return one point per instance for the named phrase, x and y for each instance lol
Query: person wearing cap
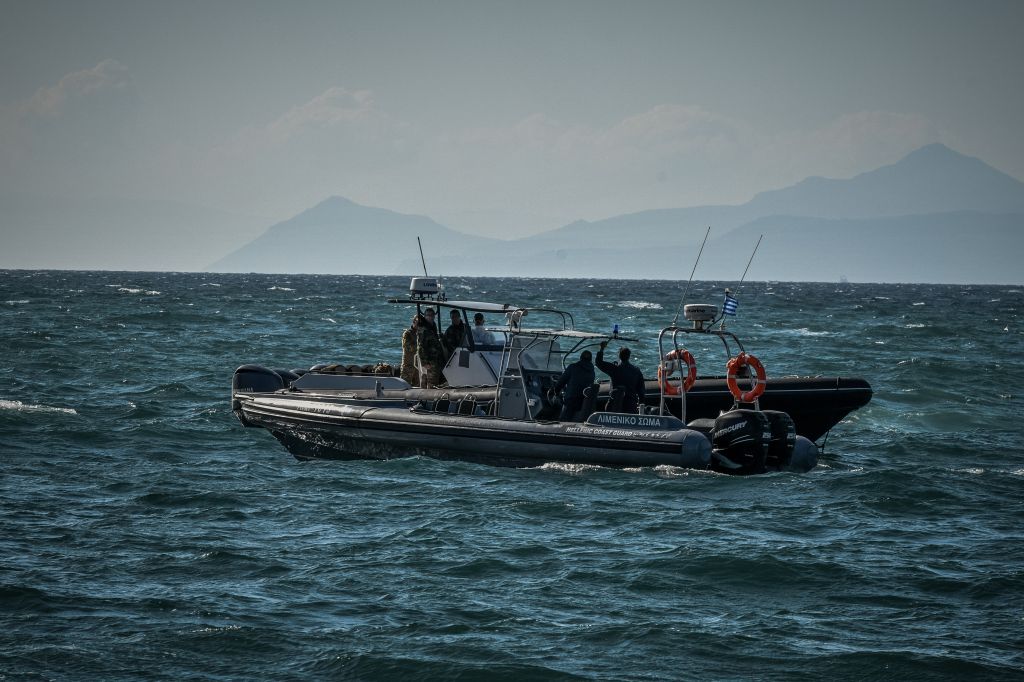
(576, 378)
(625, 376)
(428, 315)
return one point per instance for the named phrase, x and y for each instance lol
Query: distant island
(934, 216)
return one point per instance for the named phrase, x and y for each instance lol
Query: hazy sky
(494, 117)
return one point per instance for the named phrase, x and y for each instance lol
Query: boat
(497, 406)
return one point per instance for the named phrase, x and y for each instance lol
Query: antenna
(728, 292)
(422, 259)
(687, 290)
(751, 259)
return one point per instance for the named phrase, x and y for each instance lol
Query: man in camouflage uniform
(408, 371)
(429, 351)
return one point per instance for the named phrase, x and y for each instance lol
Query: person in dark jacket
(576, 377)
(625, 376)
(455, 334)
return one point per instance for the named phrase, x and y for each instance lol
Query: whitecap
(640, 305)
(277, 288)
(22, 302)
(134, 290)
(669, 471)
(804, 331)
(916, 325)
(572, 469)
(918, 303)
(18, 406)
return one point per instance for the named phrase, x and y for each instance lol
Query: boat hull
(816, 404)
(314, 429)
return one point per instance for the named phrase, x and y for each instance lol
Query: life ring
(668, 367)
(733, 368)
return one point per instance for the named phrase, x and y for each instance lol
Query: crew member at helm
(624, 376)
(576, 378)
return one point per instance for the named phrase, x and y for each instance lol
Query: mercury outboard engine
(288, 375)
(256, 379)
(783, 440)
(739, 442)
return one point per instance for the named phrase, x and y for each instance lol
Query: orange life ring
(668, 367)
(733, 368)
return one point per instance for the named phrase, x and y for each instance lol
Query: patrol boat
(498, 407)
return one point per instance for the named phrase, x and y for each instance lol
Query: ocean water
(144, 534)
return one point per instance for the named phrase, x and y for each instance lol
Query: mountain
(933, 179)
(956, 206)
(340, 236)
(934, 216)
(954, 247)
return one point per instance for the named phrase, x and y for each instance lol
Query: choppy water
(144, 534)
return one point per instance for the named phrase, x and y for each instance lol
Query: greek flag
(729, 307)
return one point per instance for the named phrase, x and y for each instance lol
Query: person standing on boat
(429, 351)
(624, 376)
(408, 371)
(455, 334)
(576, 378)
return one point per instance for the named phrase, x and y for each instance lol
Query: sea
(146, 535)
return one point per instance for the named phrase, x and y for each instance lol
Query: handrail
(675, 331)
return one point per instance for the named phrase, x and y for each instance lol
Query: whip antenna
(687, 289)
(731, 303)
(751, 259)
(422, 259)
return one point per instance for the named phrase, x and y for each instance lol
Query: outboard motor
(253, 379)
(780, 448)
(256, 379)
(287, 375)
(739, 442)
(805, 455)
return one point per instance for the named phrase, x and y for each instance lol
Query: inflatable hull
(314, 429)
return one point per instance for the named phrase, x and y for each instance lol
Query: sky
(495, 118)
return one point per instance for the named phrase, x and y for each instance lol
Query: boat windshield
(501, 337)
(550, 349)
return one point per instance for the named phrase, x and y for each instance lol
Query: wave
(640, 305)
(804, 331)
(18, 406)
(136, 290)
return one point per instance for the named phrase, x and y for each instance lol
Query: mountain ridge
(961, 195)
